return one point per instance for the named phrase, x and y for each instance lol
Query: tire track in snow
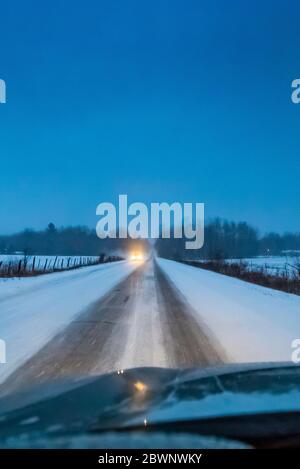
(188, 341)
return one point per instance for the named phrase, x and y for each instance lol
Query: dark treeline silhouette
(223, 239)
(226, 239)
(70, 241)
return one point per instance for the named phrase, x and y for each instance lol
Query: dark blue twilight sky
(182, 100)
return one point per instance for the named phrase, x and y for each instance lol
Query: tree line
(69, 241)
(222, 239)
(227, 239)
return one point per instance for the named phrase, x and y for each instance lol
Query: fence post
(54, 263)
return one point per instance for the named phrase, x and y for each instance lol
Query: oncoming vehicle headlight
(136, 257)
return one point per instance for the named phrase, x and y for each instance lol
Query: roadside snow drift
(251, 322)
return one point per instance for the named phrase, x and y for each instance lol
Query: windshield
(149, 230)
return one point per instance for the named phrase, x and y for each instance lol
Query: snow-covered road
(142, 321)
(124, 315)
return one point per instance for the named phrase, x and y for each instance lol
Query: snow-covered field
(33, 310)
(252, 323)
(274, 265)
(277, 265)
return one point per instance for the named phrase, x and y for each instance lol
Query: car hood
(152, 398)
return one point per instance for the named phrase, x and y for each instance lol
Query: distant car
(137, 256)
(234, 406)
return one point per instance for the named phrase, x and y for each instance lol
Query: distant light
(136, 256)
(140, 387)
(120, 372)
(145, 422)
